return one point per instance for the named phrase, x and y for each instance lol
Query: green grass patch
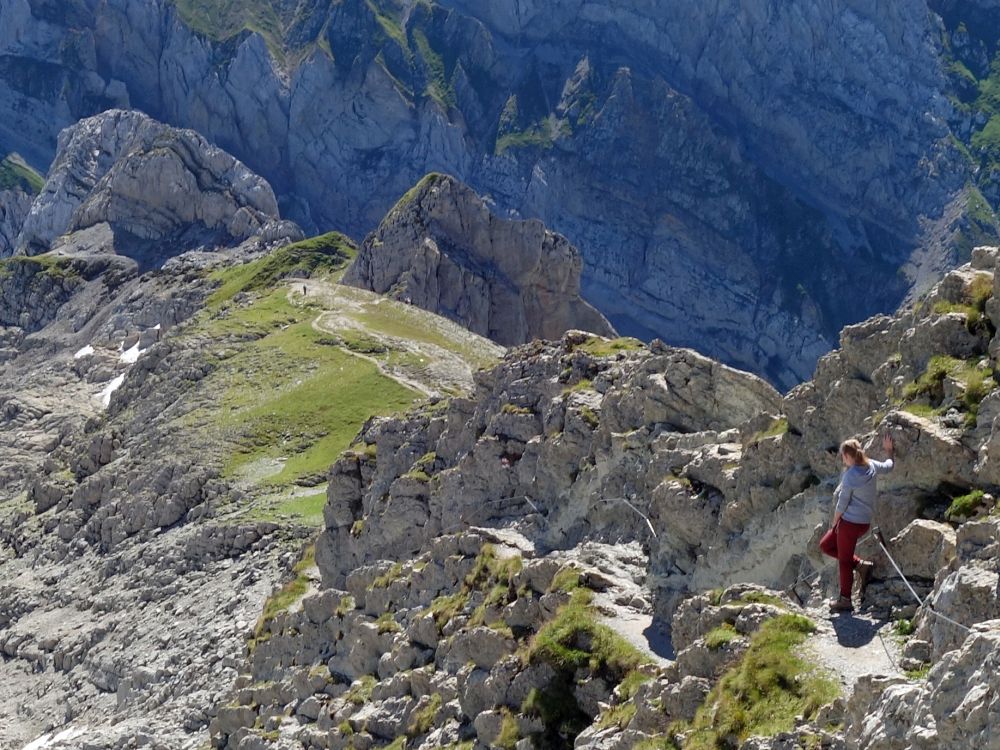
(361, 690)
(446, 608)
(778, 426)
(292, 591)
(15, 173)
(964, 506)
(904, 628)
(973, 305)
(624, 711)
(316, 256)
(386, 579)
(56, 266)
(765, 691)
(760, 597)
(438, 86)
(567, 579)
(288, 394)
(541, 136)
(509, 733)
(423, 719)
(718, 637)
(976, 383)
(306, 510)
(918, 674)
(574, 639)
(583, 384)
(600, 347)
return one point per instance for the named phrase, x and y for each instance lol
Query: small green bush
(964, 506)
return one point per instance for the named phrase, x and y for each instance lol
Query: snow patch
(131, 356)
(114, 385)
(84, 352)
(47, 740)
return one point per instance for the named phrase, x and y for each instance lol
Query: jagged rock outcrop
(442, 249)
(735, 217)
(160, 190)
(14, 206)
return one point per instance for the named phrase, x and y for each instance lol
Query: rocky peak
(160, 190)
(443, 249)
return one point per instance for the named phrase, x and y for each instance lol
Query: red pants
(839, 542)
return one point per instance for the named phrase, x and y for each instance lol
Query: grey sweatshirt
(855, 495)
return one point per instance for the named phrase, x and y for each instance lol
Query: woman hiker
(855, 497)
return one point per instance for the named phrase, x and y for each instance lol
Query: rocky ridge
(543, 457)
(442, 249)
(158, 190)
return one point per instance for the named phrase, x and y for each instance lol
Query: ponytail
(852, 448)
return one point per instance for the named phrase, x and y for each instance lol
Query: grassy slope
(285, 396)
(14, 172)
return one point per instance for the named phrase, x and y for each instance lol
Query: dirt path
(853, 645)
(416, 348)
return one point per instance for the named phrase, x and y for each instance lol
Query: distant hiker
(305, 290)
(855, 498)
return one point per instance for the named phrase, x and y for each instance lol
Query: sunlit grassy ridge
(285, 396)
(15, 173)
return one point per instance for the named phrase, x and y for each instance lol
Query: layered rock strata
(737, 213)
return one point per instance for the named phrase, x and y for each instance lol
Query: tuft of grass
(509, 733)
(588, 416)
(759, 597)
(514, 409)
(345, 605)
(765, 691)
(904, 628)
(964, 506)
(292, 591)
(423, 719)
(387, 624)
(973, 305)
(976, 383)
(918, 674)
(445, 608)
(622, 713)
(566, 579)
(574, 639)
(718, 637)
(386, 579)
(601, 347)
(361, 690)
(778, 426)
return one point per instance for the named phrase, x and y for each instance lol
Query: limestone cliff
(442, 249)
(159, 190)
(761, 155)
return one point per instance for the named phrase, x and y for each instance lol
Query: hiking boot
(841, 604)
(863, 574)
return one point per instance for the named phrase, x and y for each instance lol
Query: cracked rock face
(759, 152)
(442, 249)
(160, 190)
